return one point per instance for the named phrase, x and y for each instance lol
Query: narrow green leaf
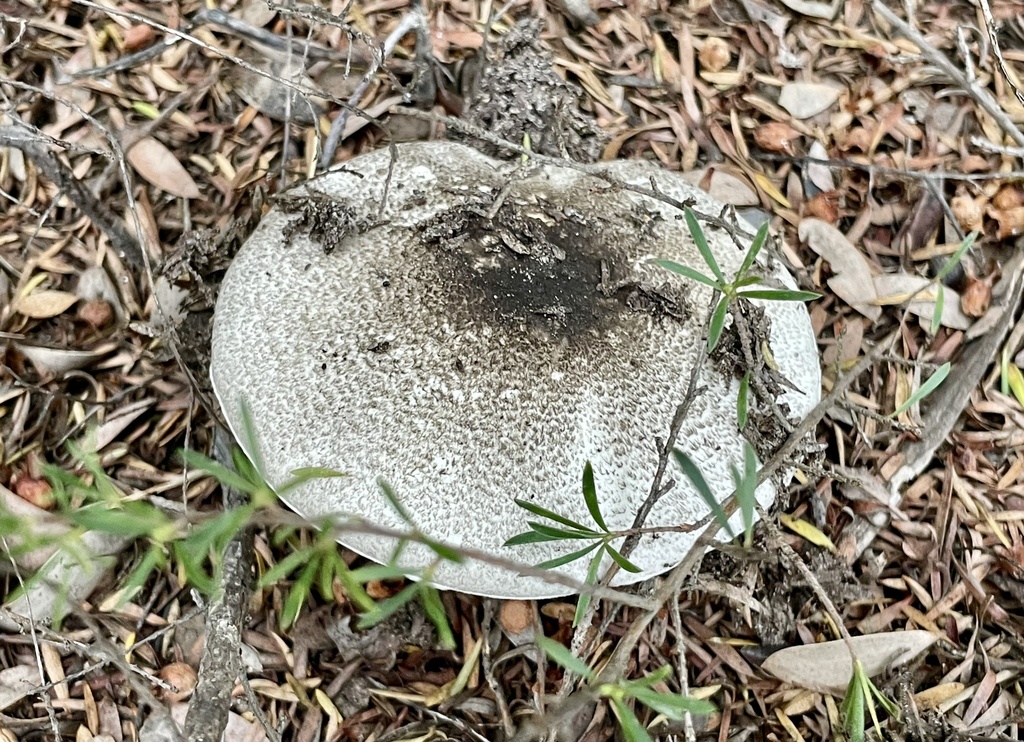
(434, 609)
(958, 255)
(562, 656)
(617, 557)
(304, 474)
(684, 270)
(561, 533)
(154, 559)
(530, 537)
(251, 439)
(780, 295)
(215, 469)
(387, 607)
(445, 552)
(381, 572)
(393, 499)
(853, 709)
(702, 244)
(632, 729)
(300, 590)
(926, 388)
(549, 514)
(285, 567)
(746, 484)
(717, 323)
(693, 473)
(755, 248)
(590, 496)
(940, 300)
(746, 281)
(672, 705)
(743, 402)
(584, 601)
(566, 558)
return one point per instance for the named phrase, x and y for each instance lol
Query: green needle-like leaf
(940, 300)
(566, 558)
(549, 514)
(563, 657)
(743, 401)
(717, 323)
(926, 388)
(702, 244)
(584, 602)
(393, 499)
(632, 729)
(434, 609)
(218, 471)
(780, 295)
(590, 496)
(387, 607)
(958, 255)
(670, 704)
(684, 270)
(693, 473)
(617, 557)
(755, 248)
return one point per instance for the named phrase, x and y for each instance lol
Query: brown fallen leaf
(45, 304)
(158, 166)
(853, 281)
(776, 136)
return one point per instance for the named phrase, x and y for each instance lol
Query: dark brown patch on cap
(534, 267)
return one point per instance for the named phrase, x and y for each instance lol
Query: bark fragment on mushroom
(474, 331)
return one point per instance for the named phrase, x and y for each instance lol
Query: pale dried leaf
(16, 683)
(58, 361)
(814, 9)
(817, 173)
(158, 166)
(897, 288)
(725, 187)
(45, 303)
(827, 667)
(853, 280)
(805, 99)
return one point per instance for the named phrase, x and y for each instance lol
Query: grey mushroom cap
(474, 331)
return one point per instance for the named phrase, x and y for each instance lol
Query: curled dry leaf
(827, 667)
(715, 55)
(45, 303)
(977, 295)
(853, 281)
(969, 211)
(58, 361)
(897, 288)
(776, 136)
(805, 99)
(826, 11)
(820, 175)
(159, 167)
(824, 206)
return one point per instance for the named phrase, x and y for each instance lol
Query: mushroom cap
(478, 338)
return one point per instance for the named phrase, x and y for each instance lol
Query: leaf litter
(871, 169)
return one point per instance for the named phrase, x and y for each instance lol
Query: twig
(221, 664)
(413, 20)
(34, 146)
(993, 34)
(981, 96)
(681, 669)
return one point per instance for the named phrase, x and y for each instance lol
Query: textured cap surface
(477, 338)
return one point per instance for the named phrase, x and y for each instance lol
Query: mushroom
(474, 331)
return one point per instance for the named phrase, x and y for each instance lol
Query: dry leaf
(813, 9)
(776, 137)
(937, 695)
(806, 99)
(853, 281)
(16, 683)
(827, 667)
(44, 304)
(158, 165)
(897, 288)
(715, 55)
(818, 173)
(58, 361)
(724, 186)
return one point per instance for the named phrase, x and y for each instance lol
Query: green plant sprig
(671, 705)
(735, 289)
(568, 529)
